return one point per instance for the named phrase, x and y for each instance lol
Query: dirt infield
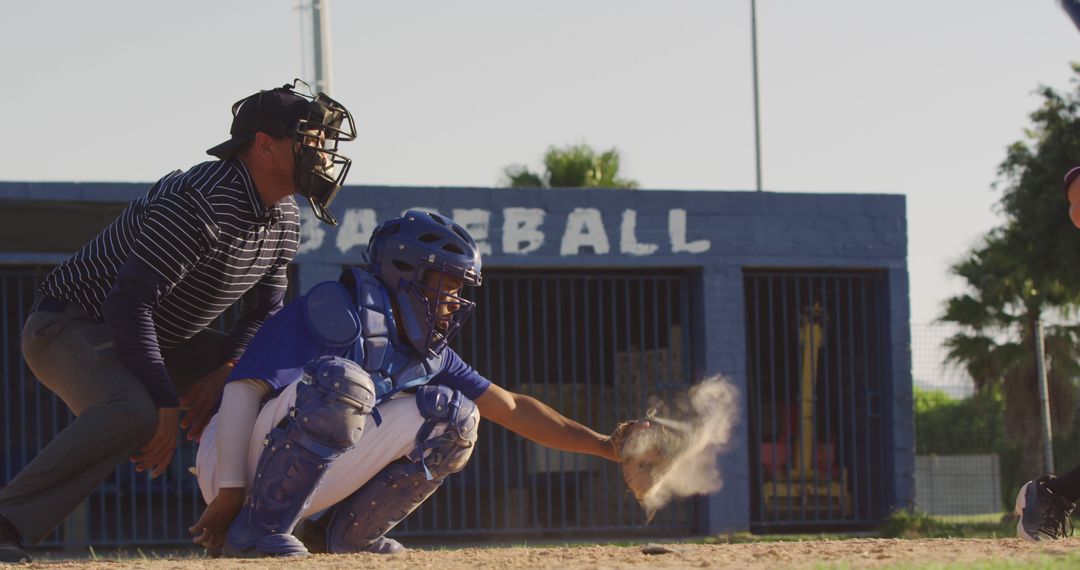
(855, 553)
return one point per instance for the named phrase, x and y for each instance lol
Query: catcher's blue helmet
(402, 250)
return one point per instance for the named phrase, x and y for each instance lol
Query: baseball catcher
(349, 409)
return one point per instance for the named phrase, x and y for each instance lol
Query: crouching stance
(360, 522)
(349, 409)
(332, 404)
(318, 462)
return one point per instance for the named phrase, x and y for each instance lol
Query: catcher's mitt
(647, 450)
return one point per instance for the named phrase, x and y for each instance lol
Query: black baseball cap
(274, 112)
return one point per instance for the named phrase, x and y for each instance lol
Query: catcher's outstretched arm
(538, 422)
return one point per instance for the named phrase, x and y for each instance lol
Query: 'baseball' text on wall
(521, 231)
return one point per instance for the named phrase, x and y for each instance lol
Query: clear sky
(918, 97)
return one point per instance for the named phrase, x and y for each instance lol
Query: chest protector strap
(393, 369)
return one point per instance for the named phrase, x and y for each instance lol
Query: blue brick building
(600, 302)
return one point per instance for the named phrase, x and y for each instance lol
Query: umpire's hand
(157, 453)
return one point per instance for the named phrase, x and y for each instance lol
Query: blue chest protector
(361, 323)
(351, 319)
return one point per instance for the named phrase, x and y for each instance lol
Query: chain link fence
(959, 446)
(969, 465)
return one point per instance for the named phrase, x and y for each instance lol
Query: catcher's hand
(646, 452)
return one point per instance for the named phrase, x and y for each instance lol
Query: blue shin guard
(332, 404)
(359, 522)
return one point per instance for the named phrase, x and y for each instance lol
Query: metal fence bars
(817, 385)
(598, 347)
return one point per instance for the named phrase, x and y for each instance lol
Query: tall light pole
(757, 113)
(320, 24)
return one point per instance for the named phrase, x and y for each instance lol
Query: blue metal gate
(817, 353)
(593, 345)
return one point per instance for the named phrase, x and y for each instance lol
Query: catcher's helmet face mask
(424, 259)
(315, 123)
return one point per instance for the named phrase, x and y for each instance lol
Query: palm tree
(573, 166)
(1025, 272)
(996, 342)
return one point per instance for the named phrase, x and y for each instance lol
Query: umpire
(118, 330)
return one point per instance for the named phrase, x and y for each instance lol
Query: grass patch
(1071, 560)
(909, 524)
(1066, 562)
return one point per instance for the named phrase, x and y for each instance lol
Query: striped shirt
(205, 236)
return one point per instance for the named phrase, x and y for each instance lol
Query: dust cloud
(707, 412)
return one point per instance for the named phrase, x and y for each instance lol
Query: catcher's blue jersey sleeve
(457, 374)
(280, 349)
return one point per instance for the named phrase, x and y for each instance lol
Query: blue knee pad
(400, 487)
(332, 404)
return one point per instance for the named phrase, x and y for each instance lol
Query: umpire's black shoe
(11, 544)
(1043, 515)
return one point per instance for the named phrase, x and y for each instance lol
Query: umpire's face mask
(320, 167)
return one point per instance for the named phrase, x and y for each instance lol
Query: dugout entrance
(818, 387)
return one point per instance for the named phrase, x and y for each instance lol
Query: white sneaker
(1043, 515)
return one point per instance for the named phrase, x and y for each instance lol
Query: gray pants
(75, 357)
